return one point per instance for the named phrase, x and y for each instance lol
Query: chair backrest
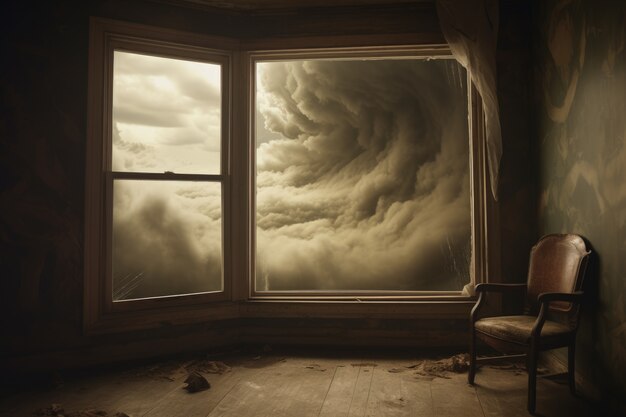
(557, 264)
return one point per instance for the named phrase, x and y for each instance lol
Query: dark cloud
(369, 186)
(362, 176)
(166, 238)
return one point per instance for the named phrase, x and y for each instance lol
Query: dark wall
(44, 77)
(580, 76)
(517, 192)
(42, 146)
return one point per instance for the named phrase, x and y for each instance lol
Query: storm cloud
(362, 175)
(166, 238)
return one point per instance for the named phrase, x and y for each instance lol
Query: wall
(517, 192)
(41, 170)
(42, 148)
(580, 77)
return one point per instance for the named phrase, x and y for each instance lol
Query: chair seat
(516, 329)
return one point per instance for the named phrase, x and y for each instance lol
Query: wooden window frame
(476, 161)
(106, 37)
(238, 299)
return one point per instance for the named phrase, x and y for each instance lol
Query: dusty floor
(271, 384)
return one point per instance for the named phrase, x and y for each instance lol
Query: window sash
(155, 47)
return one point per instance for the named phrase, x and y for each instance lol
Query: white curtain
(471, 29)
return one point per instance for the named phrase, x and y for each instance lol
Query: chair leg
(531, 366)
(571, 367)
(472, 353)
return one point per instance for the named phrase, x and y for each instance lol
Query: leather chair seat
(516, 329)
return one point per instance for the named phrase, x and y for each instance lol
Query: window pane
(167, 238)
(166, 115)
(362, 175)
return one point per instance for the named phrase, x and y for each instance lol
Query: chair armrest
(482, 289)
(572, 297)
(499, 287)
(545, 298)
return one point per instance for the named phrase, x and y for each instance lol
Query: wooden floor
(269, 384)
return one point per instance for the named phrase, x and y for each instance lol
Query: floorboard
(309, 391)
(294, 385)
(336, 403)
(362, 389)
(398, 394)
(198, 404)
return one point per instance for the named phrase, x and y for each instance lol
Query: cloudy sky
(167, 115)
(166, 234)
(362, 175)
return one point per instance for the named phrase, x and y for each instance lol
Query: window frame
(106, 37)
(238, 302)
(476, 175)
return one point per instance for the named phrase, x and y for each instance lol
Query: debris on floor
(169, 371)
(174, 370)
(196, 382)
(57, 410)
(207, 367)
(460, 363)
(262, 361)
(315, 367)
(441, 368)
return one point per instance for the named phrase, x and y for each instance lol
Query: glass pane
(362, 175)
(166, 115)
(167, 238)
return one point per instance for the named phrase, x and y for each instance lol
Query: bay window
(219, 175)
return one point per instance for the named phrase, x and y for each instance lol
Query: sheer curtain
(471, 29)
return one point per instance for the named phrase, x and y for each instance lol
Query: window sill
(166, 317)
(458, 308)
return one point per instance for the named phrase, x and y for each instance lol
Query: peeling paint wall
(580, 74)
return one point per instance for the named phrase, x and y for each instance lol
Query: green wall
(580, 77)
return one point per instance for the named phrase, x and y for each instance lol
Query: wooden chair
(551, 308)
